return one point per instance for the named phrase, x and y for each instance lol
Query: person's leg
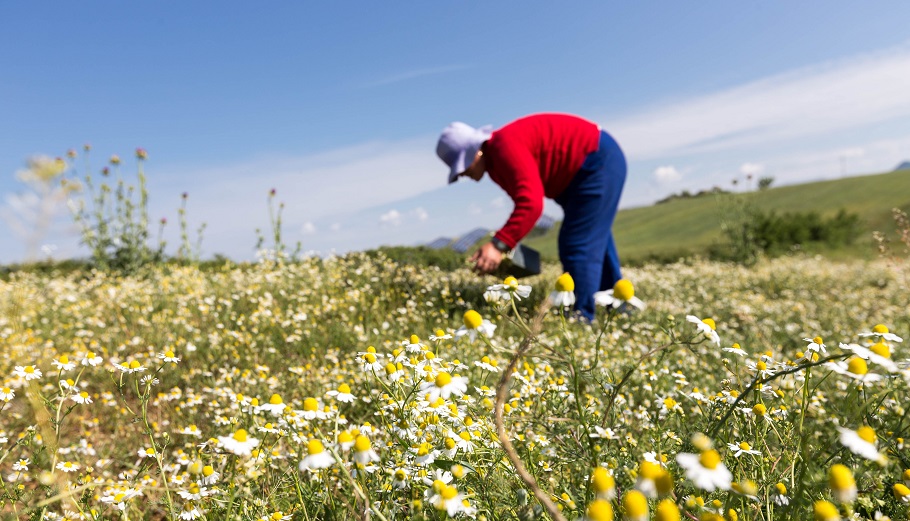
(590, 202)
(615, 167)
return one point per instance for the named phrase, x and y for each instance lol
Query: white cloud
(390, 218)
(667, 174)
(420, 214)
(751, 169)
(308, 228)
(335, 227)
(807, 102)
(499, 202)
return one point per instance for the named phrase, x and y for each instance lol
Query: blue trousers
(590, 202)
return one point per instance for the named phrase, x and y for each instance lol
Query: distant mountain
(903, 166)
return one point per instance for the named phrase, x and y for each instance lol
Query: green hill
(690, 226)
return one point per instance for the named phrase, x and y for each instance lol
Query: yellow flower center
(900, 491)
(866, 433)
(709, 459)
(150, 451)
(314, 447)
(472, 319)
(240, 435)
(450, 443)
(666, 511)
(649, 470)
(880, 329)
(781, 488)
(623, 290)
(669, 403)
(510, 282)
(370, 358)
(415, 339)
(565, 283)
(29, 369)
(825, 511)
(818, 340)
(362, 444)
(194, 488)
(275, 400)
(635, 504)
(759, 409)
(64, 359)
(857, 366)
(881, 349)
(345, 437)
(135, 364)
(207, 470)
(710, 322)
(277, 516)
(344, 389)
(449, 492)
(465, 435)
(602, 480)
(169, 354)
(119, 497)
(424, 449)
(600, 510)
(761, 366)
(745, 446)
(443, 379)
(840, 478)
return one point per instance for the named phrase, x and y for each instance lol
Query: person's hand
(487, 258)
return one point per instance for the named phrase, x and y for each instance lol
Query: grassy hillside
(690, 226)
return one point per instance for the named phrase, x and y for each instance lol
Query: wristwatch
(499, 245)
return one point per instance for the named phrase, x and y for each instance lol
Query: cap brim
(458, 167)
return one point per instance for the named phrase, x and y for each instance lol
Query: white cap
(458, 145)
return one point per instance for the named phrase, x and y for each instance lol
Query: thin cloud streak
(410, 75)
(807, 102)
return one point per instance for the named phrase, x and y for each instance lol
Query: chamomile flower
(317, 457)
(130, 367)
(706, 326)
(878, 354)
(413, 345)
(82, 397)
(474, 324)
(168, 357)
(440, 335)
(604, 484)
(855, 368)
(68, 466)
(634, 506)
(863, 442)
(653, 479)
(210, 476)
(666, 511)
(342, 394)
(6, 394)
(564, 292)
(742, 448)
(779, 497)
(448, 498)
(90, 359)
(736, 349)
(275, 407)
(239, 443)
(599, 510)
(816, 345)
(62, 363)
(444, 385)
(28, 372)
(842, 484)
(190, 430)
(825, 511)
(706, 470)
(509, 289)
(622, 295)
(488, 364)
(190, 511)
(901, 493)
(363, 451)
(146, 453)
(370, 361)
(881, 331)
(22, 465)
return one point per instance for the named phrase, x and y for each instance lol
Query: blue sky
(337, 105)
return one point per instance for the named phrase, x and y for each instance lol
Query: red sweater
(535, 157)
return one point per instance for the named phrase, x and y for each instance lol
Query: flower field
(356, 388)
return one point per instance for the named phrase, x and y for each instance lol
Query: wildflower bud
(825, 511)
(843, 486)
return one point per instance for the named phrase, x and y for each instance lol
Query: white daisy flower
(239, 443)
(474, 324)
(706, 470)
(275, 407)
(622, 294)
(880, 330)
(440, 335)
(317, 457)
(510, 288)
(28, 372)
(169, 357)
(91, 359)
(706, 326)
(564, 294)
(444, 385)
(342, 394)
(855, 368)
(863, 442)
(870, 355)
(6, 394)
(742, 448)
(363, 451)
(63, 363)
(736, 349)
